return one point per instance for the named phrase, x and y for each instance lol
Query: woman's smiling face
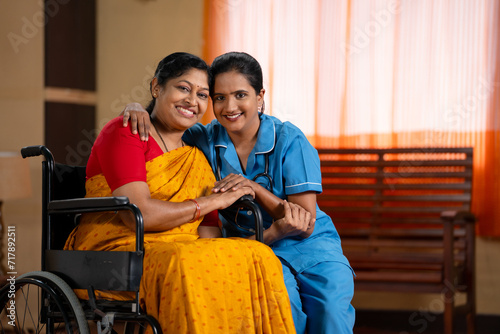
(236, 103)
(183, 100)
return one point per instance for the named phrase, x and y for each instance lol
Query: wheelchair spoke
(41, 306)
(25, 295)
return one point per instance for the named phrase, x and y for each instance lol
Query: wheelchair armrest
(87, 203)
(248, 202)
(100, 204)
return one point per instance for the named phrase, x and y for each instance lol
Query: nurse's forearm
(271, 235)
(271, 203)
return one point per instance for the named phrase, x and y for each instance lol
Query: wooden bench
(404, 219)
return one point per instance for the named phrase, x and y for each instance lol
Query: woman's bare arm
(209, 232)
(164, 215)
(306, 200)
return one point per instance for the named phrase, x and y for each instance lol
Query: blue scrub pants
(320, 297)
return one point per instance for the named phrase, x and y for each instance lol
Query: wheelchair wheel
(134, 328)
(140, 327)
(40, 302)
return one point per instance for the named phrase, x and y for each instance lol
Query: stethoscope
(264, 174)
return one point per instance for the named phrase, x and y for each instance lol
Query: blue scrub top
(294, 167)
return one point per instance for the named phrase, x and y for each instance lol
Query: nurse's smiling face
(236, 103)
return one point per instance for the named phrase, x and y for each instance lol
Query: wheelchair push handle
(36, 150)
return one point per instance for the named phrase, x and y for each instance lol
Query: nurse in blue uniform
(249, 148)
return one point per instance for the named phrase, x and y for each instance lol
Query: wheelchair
(44, 301)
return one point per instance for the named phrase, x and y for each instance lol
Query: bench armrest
(462, 216)
(467, 220)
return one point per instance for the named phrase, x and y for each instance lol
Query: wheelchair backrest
(67, 182)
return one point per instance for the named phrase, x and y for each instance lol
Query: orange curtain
(379, 73)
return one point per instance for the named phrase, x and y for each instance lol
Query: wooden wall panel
(70, 80)
(72, 132)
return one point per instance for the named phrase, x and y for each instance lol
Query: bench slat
(406, 243)
(400, 232)
(415, 175)
(395, 187)
(417, 210)
(383, 276)
(398, 266)
(397, 163)
(400, 198)
(417, 150)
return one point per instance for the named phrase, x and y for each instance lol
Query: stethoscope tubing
(263, 174)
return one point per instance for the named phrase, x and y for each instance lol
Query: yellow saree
(193, 285)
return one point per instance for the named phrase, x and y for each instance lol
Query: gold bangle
(197, 213)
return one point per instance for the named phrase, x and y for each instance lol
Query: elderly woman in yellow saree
(193, 282)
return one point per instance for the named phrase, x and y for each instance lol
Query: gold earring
(154, 95)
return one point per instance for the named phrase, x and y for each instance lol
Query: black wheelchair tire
(64, 303)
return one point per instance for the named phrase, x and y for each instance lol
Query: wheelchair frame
(99, 270)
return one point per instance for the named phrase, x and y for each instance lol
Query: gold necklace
(159, 135)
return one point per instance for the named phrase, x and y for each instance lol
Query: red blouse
(121, 156)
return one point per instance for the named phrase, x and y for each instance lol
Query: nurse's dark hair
(240, 62)
(173, 66)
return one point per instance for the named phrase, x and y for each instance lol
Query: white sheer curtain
(370, 66)
(377, 73)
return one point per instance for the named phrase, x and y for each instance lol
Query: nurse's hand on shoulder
(139, 119)
(297, 221)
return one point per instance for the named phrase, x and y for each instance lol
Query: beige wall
(133, 35)
(21, 114)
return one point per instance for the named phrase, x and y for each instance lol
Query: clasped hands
(296, 221)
